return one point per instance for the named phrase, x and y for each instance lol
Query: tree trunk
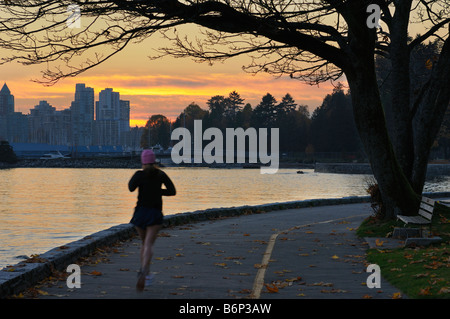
(397, 194)
(401, 130)
(429, 111)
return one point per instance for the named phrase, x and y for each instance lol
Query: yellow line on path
(259, 279)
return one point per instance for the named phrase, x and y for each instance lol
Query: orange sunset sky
(164, 86)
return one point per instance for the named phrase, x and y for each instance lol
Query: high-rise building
(40, 123)
(48, 126)
(17, 127)
(82, 115)
(112, 118)
(6, 101)
(6, 109)
(108, 105)
(124, 122)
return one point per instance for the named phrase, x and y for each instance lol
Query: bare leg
(141, 233)
(147, 251)
(148, 238)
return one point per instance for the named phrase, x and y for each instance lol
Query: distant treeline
(329, 129)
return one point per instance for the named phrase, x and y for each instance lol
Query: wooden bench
(424, 216)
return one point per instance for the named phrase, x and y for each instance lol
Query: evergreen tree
(286, 106)
(332, 125)
(264, 114)
(233, 104)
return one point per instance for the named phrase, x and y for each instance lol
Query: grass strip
(419, 272)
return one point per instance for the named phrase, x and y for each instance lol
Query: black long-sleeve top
(150, 190)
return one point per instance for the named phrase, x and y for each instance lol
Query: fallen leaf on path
(164, 235)
(379, 242)
(220, 264)
(425, 291)
(335, 257)
(397, 295)
(95, 273)
(259, 266)
(245, 291)
(272, 289)
(323, 284)
(294, 279)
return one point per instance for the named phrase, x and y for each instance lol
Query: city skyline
(86, 122)
(146, 103)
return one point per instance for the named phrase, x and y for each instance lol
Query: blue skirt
(144, 216)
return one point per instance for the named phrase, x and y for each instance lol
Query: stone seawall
(364, 168)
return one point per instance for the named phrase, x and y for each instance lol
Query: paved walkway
(297, 253)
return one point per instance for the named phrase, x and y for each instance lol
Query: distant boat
(54, 155)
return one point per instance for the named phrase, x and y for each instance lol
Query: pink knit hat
(148, 157)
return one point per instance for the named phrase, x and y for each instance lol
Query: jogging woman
(148, 215)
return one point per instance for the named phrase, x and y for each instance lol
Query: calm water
(43, 208)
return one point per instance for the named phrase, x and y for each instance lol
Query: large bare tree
(310, 40)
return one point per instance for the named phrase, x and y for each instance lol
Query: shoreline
(434, 169)
(16, 278)
(127, 162)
